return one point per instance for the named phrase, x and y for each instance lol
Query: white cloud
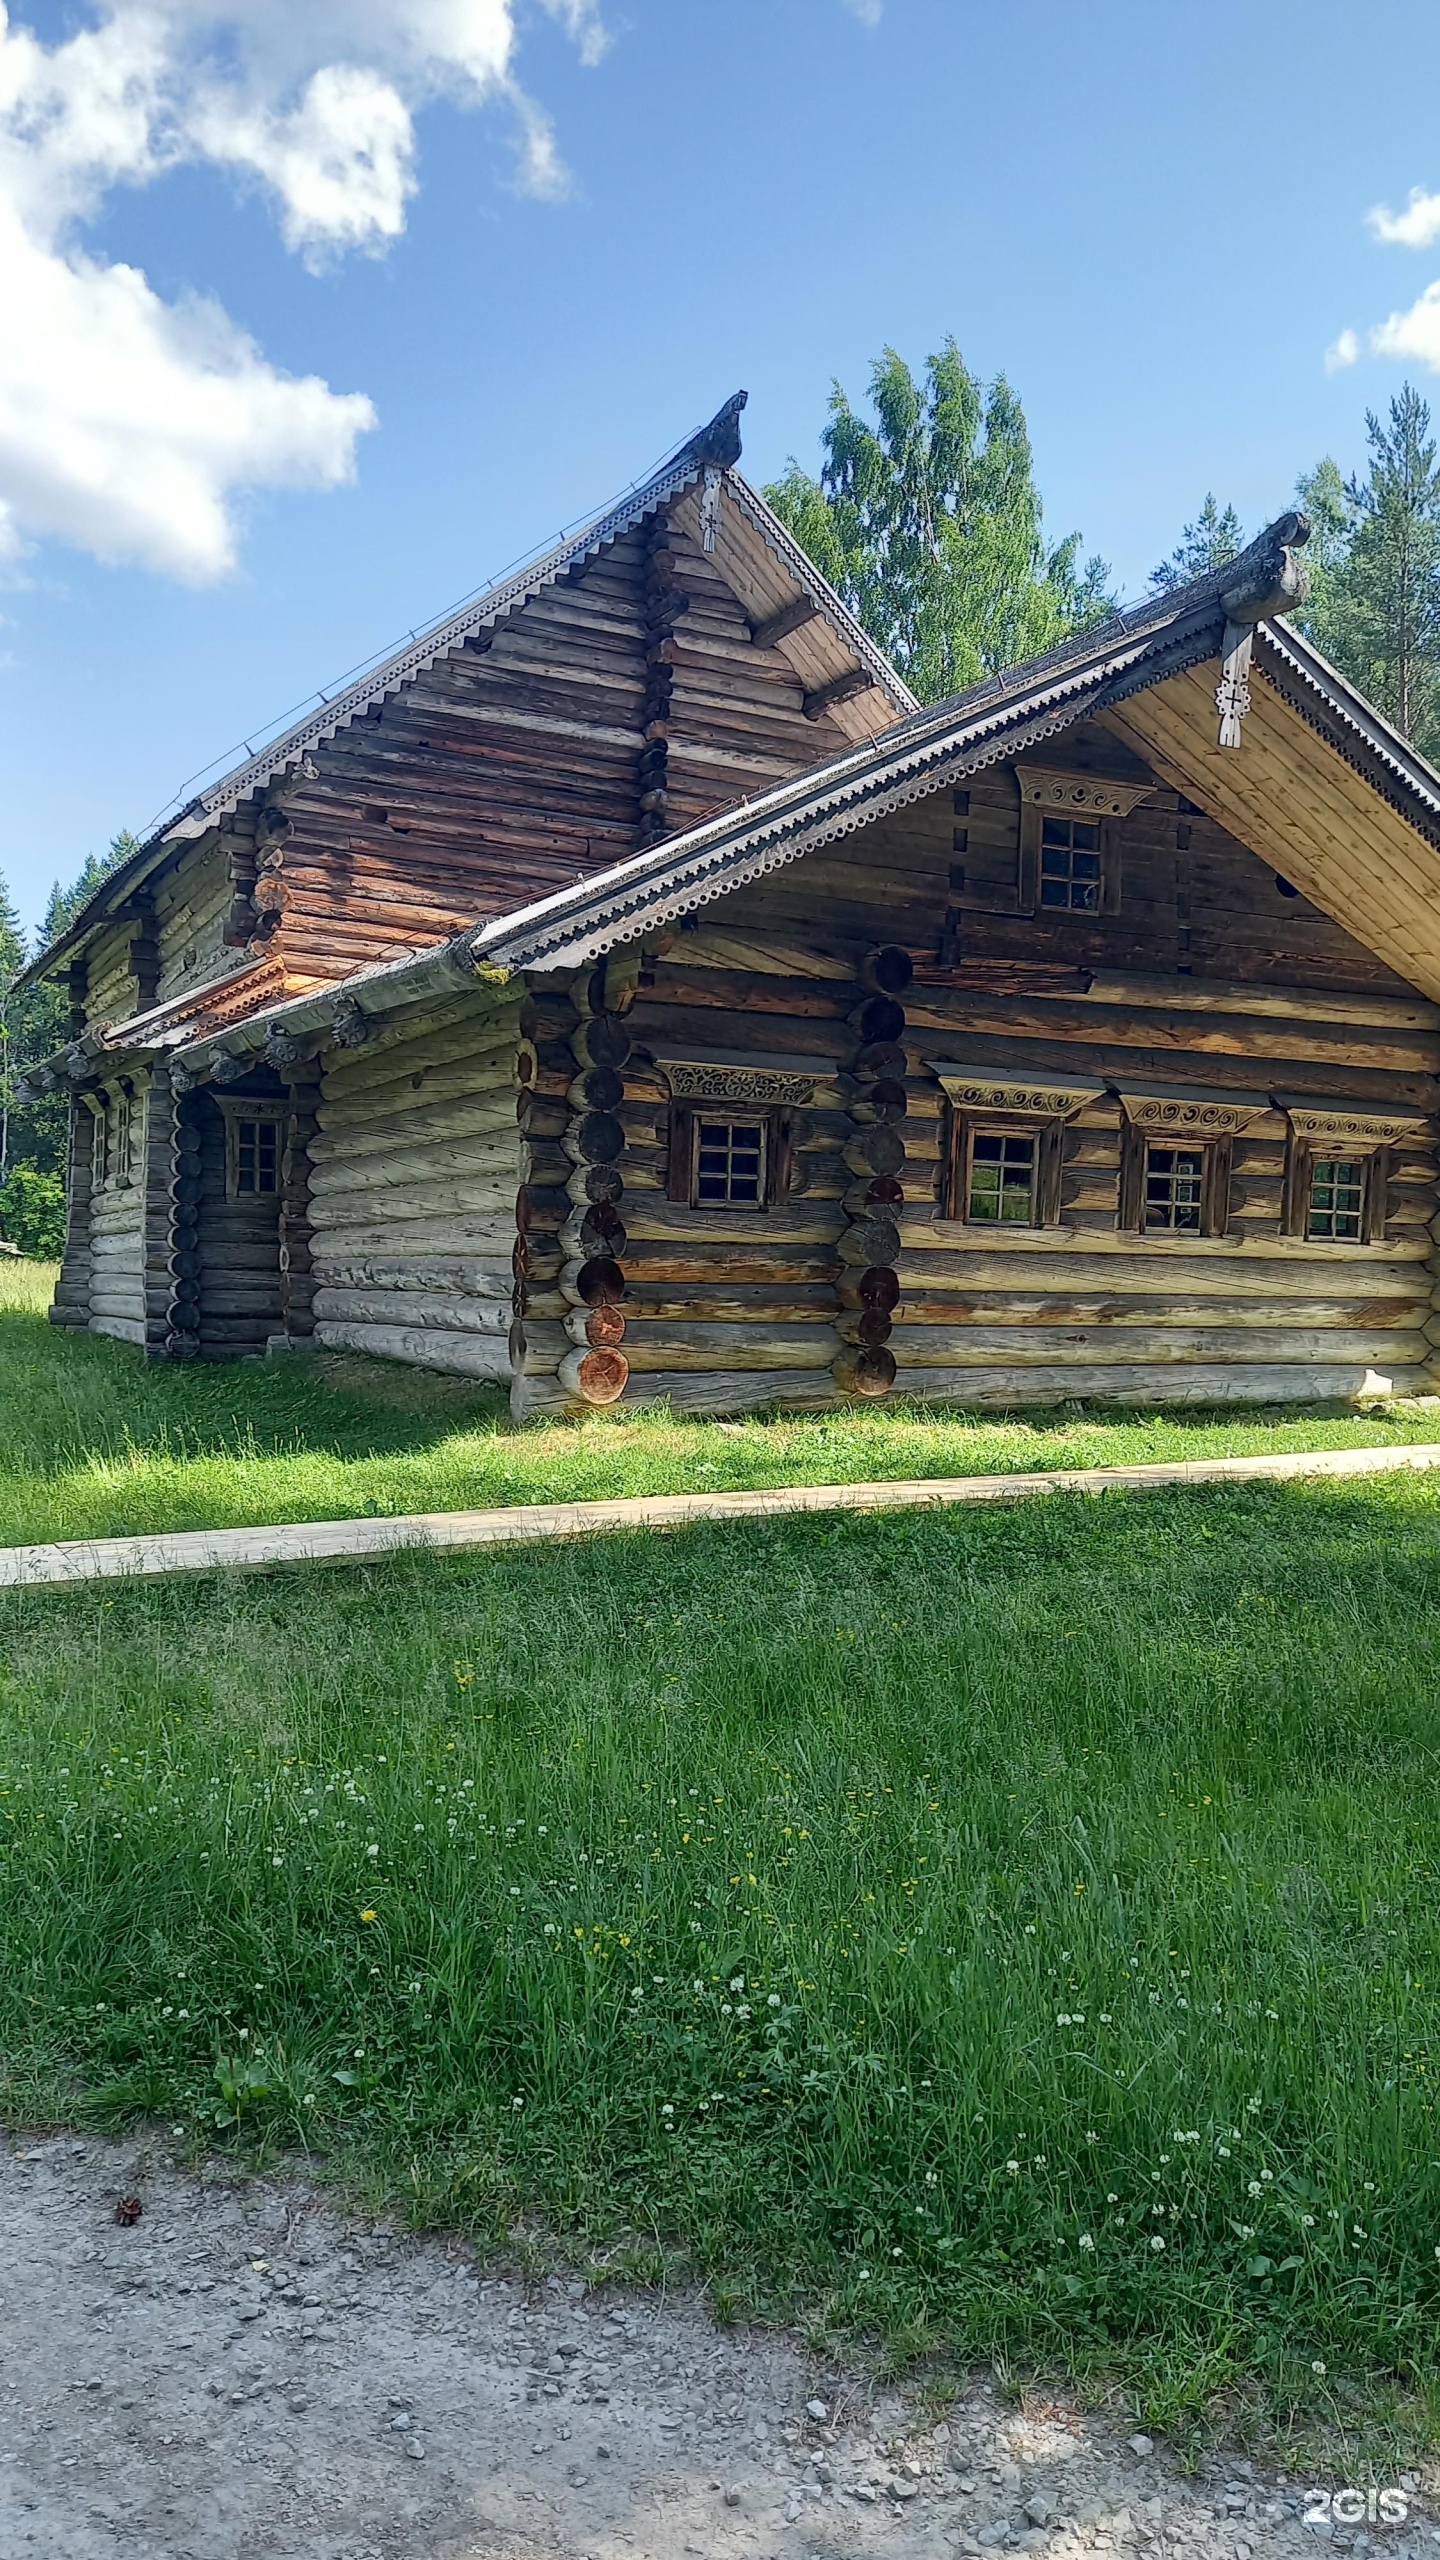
(129, 426)
(1413, 335)
(1415, 228)
(869, 12)
(1345, 351)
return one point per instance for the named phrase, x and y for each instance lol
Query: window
(1003, 1172)
(1002, 1179)
(98, 1135)
(1175, 1189)
(729, 1161)
(1070, 864)
(1337, 1198)
(123, 1165)
(256, 1156)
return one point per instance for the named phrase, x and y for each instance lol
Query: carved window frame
(990, 1104)
(741, 1091)
(1317, 1137)
(1216, 1154)
(99, 1109)
(1048, 1134)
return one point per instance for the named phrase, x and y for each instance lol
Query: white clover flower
(1086, 2241)
(737, 1982)
(1317, 2365)
(774, 2000)
(1253, 2187)
(1309, 2221)
(1157, 2240)
(1013, 2167)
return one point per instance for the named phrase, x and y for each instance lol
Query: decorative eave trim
(1036, 1097)
(740, 1075)
(1329, 704)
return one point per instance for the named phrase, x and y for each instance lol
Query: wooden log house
(628, 992)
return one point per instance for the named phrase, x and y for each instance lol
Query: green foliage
(32, 1212)
(929, 524)
(1213, 538)
(920, 1919)
(35, 1021)
(1375, 608)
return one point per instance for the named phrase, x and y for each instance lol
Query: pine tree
(1213, 538)
(929, 524)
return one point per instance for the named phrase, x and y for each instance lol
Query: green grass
(96, 1442)
(873, 1912)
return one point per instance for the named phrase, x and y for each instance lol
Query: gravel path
(243, 2374)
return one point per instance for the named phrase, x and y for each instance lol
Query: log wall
(413, 1172)
(1203, 972)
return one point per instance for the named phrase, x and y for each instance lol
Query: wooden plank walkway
(352, 1541)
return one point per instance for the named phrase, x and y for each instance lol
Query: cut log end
(597, 1377)
(863, 1371)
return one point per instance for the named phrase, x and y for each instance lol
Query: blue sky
(1153, 219)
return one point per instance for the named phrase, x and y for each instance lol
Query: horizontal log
(119, 1328)
(441, 1088)
(1019, 1346)
(404, 1203)
(469, 1355)
(933, 1244)
(1238, 1382)
(652, 1343)
(999, 1306)
(491, 1282)
(412, 1308)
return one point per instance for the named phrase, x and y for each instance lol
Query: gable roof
(712, 454)
(1365, 845)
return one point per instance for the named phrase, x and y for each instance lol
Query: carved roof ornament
(1032, 1097)
(1268, 578)
(1080, 795)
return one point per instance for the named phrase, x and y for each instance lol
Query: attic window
(1070, 864)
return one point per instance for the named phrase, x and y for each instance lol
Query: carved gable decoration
(1079, 795)
(1191, 1112)
(719, 1075)
(1032, 1097)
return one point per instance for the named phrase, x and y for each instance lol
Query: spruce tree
(929, 524)
(1213, 538)
(1384, 601)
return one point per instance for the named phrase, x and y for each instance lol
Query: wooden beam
(840, 689)
(790, 618)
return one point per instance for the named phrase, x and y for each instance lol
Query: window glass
(1070, 865)
(257, 1155)
(729, 1162)
(1002, 1179)
(1174, 1187)
(97, 1150)
(122, 1138)
(1337, 1197)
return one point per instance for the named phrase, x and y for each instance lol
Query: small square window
(1070, 865)
(1337, 1198)
(1175, 1189)
(1002, 1180)
(257, 1157)
(729, 1162)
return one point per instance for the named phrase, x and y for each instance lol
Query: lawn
(1008, 1933)
(96, 1442)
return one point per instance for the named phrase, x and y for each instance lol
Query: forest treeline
(927, 518)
